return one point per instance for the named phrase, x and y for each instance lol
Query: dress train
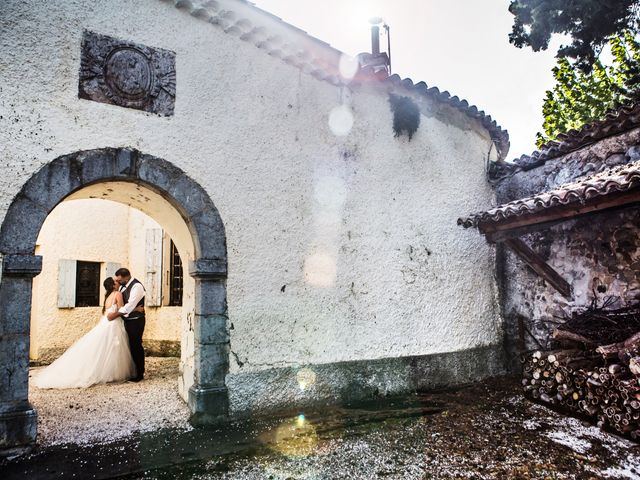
(102, 355)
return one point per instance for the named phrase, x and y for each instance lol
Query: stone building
(312, 200)
(567, 227)
(67, 295)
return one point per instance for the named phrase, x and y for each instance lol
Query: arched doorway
(159, 184)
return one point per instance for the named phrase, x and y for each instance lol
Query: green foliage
(579, 97)
(589, 23)
(406, 115)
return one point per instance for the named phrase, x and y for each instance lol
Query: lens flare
(341, 120)
(330, 192)
(348, 66)
(296, 437)
(306, 378)
(328, 221)
(320, 270)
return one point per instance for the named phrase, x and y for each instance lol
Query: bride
(100, 356)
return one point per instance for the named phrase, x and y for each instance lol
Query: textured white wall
(162, 323)
(360, 228)
(95, 231)
(94, 222)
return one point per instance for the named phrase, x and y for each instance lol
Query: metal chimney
(375, 34)
(375, 39)
(376, 60)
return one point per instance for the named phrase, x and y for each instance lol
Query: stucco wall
(162, 323)
(96, 231)
(54, 329)
(340, 247)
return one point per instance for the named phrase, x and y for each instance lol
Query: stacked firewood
(583, 375)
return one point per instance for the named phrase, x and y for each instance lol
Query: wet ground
(483, 431)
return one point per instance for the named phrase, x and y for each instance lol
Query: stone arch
(61, 178)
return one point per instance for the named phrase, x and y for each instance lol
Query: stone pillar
(18, 426)
(208, 396)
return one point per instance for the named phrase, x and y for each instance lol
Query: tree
(580, 97)
(590, 23)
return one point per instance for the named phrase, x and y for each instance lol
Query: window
(79, 282)
(87, 284)
(175, 277)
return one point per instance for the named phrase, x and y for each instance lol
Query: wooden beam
(539, 266)
(557, 214)
(502, 235)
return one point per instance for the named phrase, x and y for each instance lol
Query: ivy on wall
(406, 115)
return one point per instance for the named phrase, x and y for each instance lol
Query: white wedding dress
(102, 355)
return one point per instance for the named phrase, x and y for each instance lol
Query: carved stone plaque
(127, 74)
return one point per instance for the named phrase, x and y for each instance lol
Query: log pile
(592, 369)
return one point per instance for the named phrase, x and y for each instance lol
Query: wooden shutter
(66, 283)
(153, 267)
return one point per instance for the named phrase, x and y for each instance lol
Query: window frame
(175, 277)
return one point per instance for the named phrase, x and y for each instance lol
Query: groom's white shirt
(136, 294)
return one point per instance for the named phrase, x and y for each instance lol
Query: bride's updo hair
(108, 285)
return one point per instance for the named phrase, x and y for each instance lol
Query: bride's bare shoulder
(111, 299)
(119, 299)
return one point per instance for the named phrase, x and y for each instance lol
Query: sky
(461, 46)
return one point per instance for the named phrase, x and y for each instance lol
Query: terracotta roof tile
(498, 135)
(614, 122)
(617, 179)
(309, 59)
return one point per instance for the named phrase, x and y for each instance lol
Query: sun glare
(360, 12)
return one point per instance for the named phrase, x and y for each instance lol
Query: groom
(134, 319)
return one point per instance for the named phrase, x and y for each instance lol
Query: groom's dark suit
(134, 325)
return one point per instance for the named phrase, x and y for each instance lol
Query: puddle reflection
(294, 437)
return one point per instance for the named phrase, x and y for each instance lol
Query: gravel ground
(487, 431)
(108, 412)
(484, 431)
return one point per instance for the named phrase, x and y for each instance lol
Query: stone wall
(598, 255)
(615, 150)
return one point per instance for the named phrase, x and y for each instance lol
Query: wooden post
(539, 266)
